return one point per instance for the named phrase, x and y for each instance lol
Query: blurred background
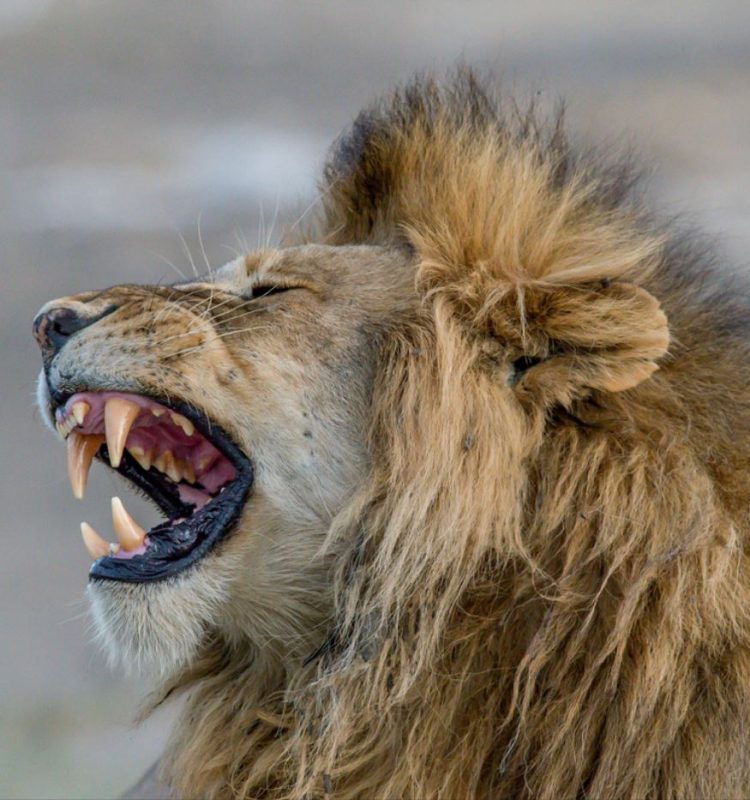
(136, 137)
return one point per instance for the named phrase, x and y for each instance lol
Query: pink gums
(160, 434)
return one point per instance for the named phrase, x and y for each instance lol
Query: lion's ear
(608, 338)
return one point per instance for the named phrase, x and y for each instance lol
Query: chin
(156, 629)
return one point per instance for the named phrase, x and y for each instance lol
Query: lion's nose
(54, 325)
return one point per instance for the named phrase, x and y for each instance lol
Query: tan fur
(528, 577)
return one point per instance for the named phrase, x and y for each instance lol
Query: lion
(456, 479)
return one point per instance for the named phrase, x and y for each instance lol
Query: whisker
(178, 291)
(225, 319)
(261, 225)
(230, 299)
(221, 318)
(319, 198)
(242, 241)
(307, 210)
(189, 255)
(236, 253)
(218, 318)
(205, 345)
(209, 306)
(210, 310)
(168, 263)
(171, 302)
(203, 249)
(273, 222)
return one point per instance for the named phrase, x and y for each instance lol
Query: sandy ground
(126, 126)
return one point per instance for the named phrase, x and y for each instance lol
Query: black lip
(174, 548)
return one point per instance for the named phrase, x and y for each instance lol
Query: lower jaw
(172, 548)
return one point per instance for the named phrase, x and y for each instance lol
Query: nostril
(54, 327)
(64, 322)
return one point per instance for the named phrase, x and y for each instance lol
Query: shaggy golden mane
(543, 589)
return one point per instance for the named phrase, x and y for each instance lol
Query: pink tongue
(193, 496)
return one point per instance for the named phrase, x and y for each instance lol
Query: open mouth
(186, 464)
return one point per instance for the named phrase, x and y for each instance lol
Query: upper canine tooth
(183, 423)
(79, 411)
(129, 534)
(119, 416)
(81, 452)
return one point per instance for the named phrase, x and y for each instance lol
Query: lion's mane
(543, 589)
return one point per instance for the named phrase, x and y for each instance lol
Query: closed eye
(266, 290)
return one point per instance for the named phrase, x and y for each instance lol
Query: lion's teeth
(171, 467)
(81, 452)
(184, 423)
(64, 428)
(95, 545)
(119, 416)
(205, 462)
(129, 534)
(160, 462)
(79, 411)
(188, 473)
(157, 412)
(143, 457)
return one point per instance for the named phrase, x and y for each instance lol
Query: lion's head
(447, 515)
(239, 403)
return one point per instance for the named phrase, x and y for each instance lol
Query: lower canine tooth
(95, 545)
(128, 532)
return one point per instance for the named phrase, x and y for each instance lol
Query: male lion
(456, 485)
